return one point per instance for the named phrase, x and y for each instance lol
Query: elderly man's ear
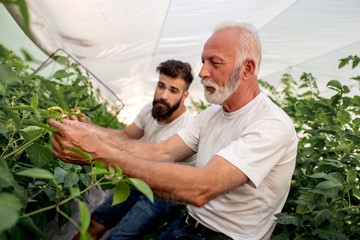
(247, 68)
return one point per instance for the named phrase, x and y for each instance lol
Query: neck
(181, 109)
(242, 96)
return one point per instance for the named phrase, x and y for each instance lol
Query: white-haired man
(246, 148)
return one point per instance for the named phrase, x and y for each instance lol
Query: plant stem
(67, 217)
(20, 149)
(9, 143)
(64, 201)
(39, 211)
(350, 208)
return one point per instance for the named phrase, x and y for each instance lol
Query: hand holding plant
(34, 185)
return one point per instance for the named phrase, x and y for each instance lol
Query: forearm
(193, 185)
(169, 181)
(138, 148)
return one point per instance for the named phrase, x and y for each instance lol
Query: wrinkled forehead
(223, 43)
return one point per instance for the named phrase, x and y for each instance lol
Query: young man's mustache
(162, 101)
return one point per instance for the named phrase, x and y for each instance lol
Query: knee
(96, 229)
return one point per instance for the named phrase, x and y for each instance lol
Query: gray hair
(249, 42)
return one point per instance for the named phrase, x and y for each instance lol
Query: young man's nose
(164, 94)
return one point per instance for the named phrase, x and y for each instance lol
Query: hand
(73, 134)
(78, 118)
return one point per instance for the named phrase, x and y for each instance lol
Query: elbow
(199, 202)
(201, 197)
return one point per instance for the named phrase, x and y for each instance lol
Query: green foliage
(324, 200)
(34, 185)
(199, 106)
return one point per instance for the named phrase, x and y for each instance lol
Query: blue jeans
(135, 217)
(180, 230)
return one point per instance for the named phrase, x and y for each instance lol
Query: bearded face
(222, 93)
(162, 110)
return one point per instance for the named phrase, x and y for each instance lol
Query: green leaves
(29, 173)
(56, 94)
(142, 187)
(344, 61)
(39, 154)
(36, 173)
(121, 193)
(324, 199)
(9, 210)
(85, 222)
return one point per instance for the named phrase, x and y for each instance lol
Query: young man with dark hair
(156, 122)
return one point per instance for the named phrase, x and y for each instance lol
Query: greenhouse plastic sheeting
(121, 42)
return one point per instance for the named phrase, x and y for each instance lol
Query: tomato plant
(34, 185)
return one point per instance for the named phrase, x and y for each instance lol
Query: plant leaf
(84, 217)
(29, 224)
(286, 219)
(60, 174)
(39, 154)
(334, 84)
(121, 193)
(71, 179)
(99, 165)
(61, 59)
(22, 108)
(36, 173)
(118, 170)
(84, 154)
(9, 210)
(33, 122)
(329, 184)
(34, 101)
(58, 96)
(142, 187)
(30, 132)
(61, 74)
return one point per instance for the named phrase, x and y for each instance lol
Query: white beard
(221, 93)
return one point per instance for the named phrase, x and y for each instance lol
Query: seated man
(156, 122)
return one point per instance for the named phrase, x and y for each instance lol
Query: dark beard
(162, 113)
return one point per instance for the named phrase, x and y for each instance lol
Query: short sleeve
(259, 149)
(140, 118)
(191, 134)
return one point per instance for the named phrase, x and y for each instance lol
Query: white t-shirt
(261, 141)
(156, 133)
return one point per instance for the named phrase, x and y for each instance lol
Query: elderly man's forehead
(221, 43)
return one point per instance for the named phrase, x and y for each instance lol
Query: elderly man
(245, 144)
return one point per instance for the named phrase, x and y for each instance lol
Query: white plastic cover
(122, 41)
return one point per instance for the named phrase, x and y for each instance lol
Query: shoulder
(210, 111)
(144, 116)
(147, 107)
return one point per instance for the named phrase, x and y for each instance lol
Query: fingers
(77, 117)
(73, 118)
(84, 120)
(54, 124)
(66, 155)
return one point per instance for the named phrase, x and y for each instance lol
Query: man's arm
(130, 132)
(181, 183)
(196, 186)
(82, 136)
